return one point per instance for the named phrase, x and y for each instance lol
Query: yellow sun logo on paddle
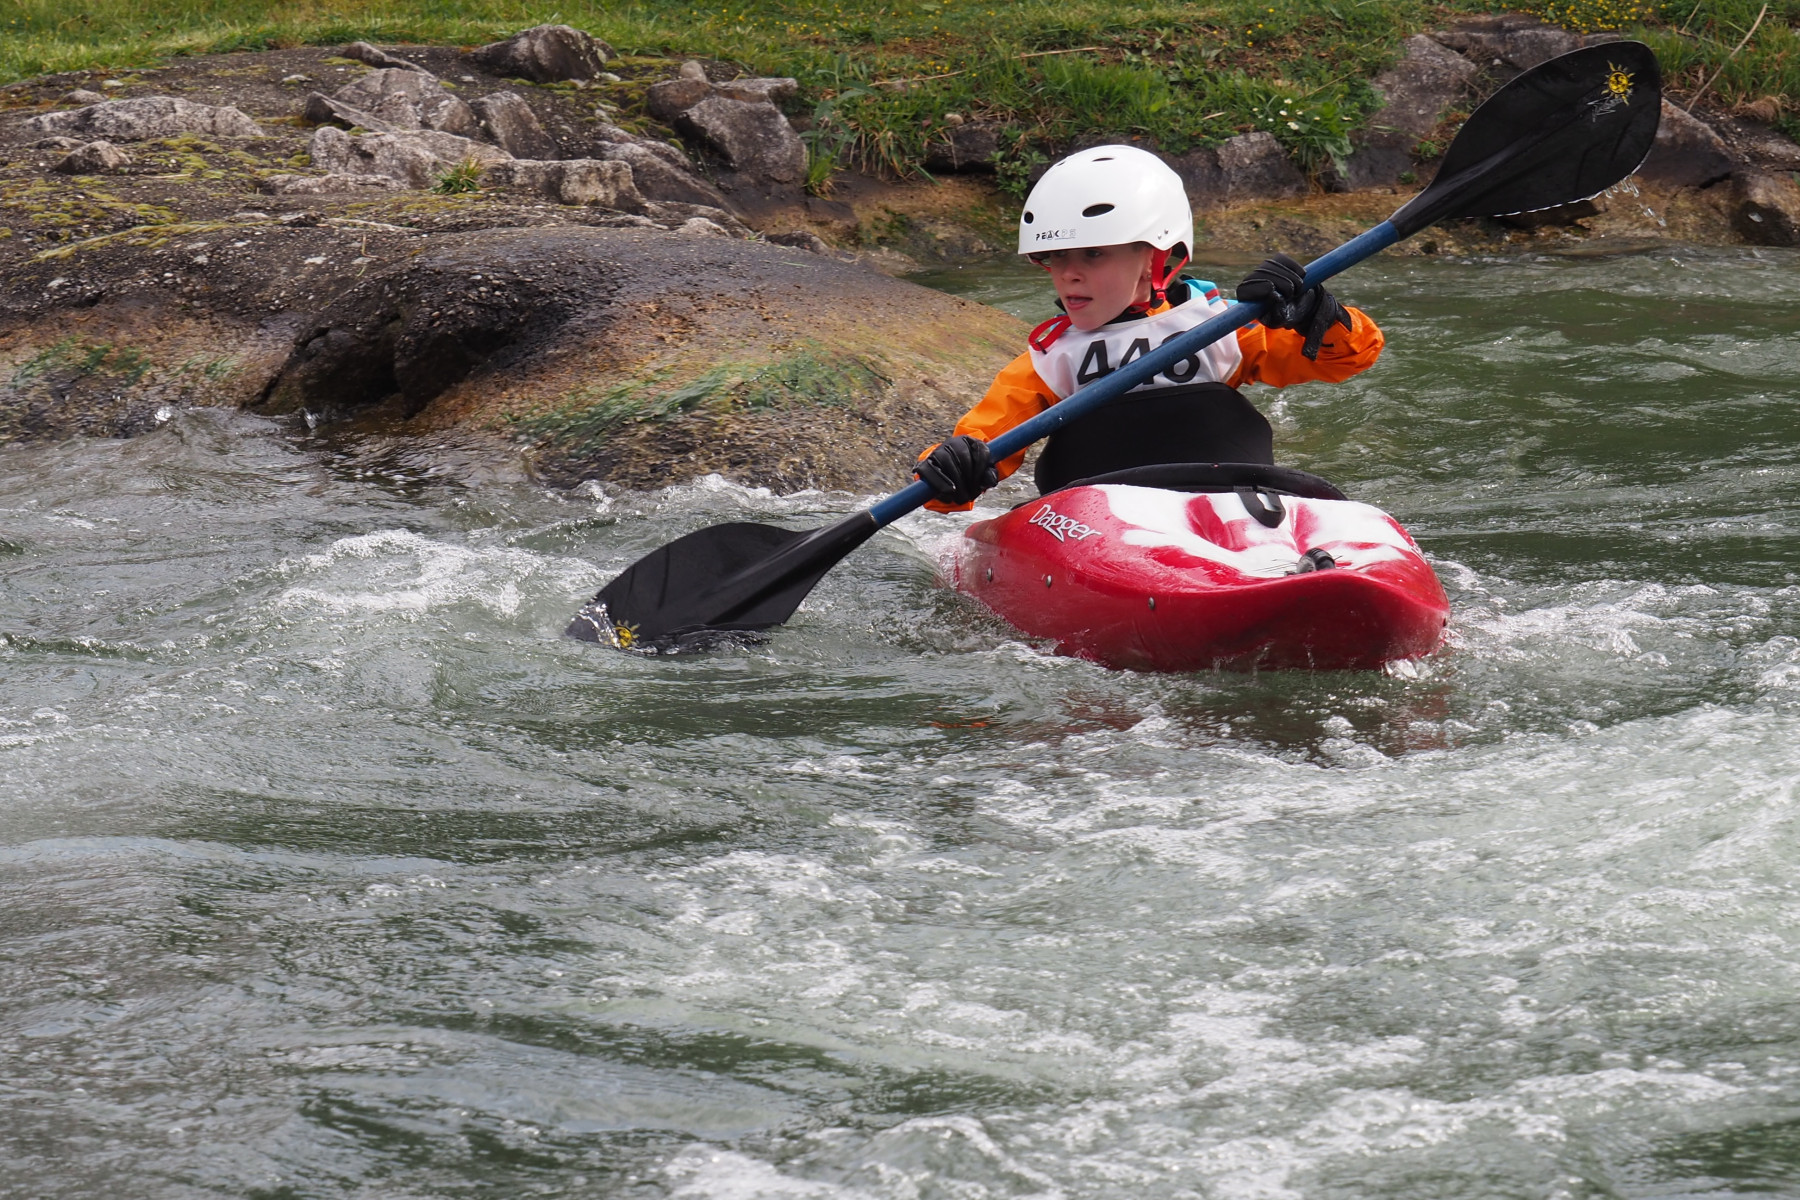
(624, 636)
(1618, 81)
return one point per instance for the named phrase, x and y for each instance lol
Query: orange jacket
(1270, 356)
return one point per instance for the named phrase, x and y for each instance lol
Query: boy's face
(1097, 283)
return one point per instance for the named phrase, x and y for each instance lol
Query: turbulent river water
(328, 869)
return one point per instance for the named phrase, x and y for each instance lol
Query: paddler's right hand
(1280, 285)
(958, 470)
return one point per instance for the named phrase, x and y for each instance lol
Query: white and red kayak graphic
(1152, 579)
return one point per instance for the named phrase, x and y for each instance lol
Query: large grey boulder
(736, 122)
(1429, 80)
(145, 117)
(95, 158)
(774, 88)
(376, 89)
(1253, 166)
(417, 159)
(1755, 142)
(545, 54)
(374, 56)
(572, 181)
(1200, 175)
(541, 330)
(753, 138)
(598, 182)
(970, 146)
(669, 98)
(510, 124)
(1509, 43)
(392, 100)
(321, 109)
(661, 172)
(445, 113)
(1686, 153)
(325, 185)
(1765, 209)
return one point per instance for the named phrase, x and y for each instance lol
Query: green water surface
(328, 869)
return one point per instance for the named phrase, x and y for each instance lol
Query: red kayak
(1187, 567)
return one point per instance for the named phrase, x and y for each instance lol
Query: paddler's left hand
(1280, 283)
(958, 470)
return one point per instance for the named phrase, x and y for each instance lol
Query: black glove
(1280, 283)
(958, 470)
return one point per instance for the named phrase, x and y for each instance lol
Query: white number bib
(1077, 359)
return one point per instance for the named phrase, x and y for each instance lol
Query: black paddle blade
(715, 582)
(1563, 131)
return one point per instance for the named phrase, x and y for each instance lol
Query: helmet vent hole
(1096, 210)
(1028, 218)
(1107, 158)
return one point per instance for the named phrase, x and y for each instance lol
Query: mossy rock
(644, 357)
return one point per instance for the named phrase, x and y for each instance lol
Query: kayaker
(1113, 227)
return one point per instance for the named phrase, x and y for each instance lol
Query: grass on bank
(880, 77)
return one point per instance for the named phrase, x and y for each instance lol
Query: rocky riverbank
(592, 299)
(613, 265)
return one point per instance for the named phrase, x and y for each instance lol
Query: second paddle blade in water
(732, 578)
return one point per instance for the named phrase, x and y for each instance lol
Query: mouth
(1071, 303)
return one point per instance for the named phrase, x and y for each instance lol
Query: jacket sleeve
(1272, 356)
(1015, 396)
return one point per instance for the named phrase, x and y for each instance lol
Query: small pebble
(110, 84)
(296, 79)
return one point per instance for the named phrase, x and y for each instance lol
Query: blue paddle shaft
(1141, 370)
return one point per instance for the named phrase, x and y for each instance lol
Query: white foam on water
(1611, 626)
(709, 1173)
(1507, 855)
(721, 497)
(398, 571)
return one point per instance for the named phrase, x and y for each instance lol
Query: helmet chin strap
(1164, 267)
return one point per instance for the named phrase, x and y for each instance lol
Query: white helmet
(1107, 196)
